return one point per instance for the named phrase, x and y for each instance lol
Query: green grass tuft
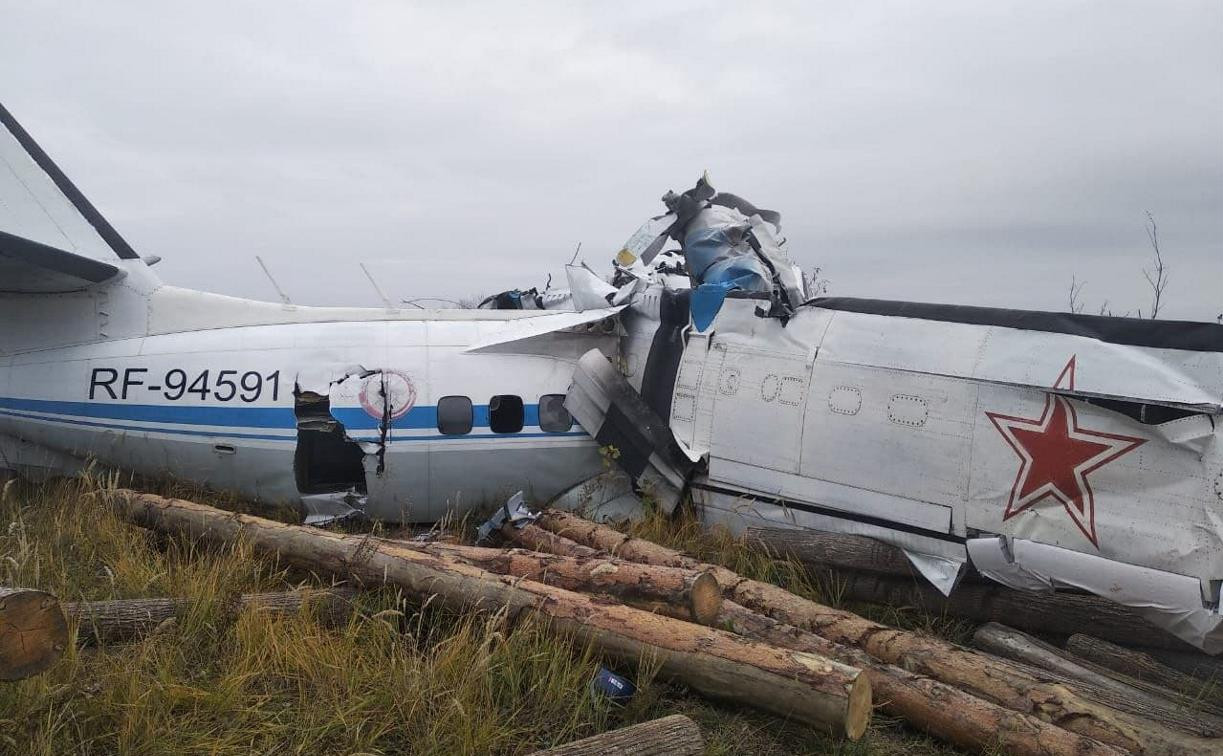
(399, 677)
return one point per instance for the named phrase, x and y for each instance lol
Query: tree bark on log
(944, 711)
(531, 536)
(808, 688)
(33, 632)
(1139, 665)
(1012, 644)
(1208, 669)
(675, 735)
(985, 676)
(834, 550)
(123, 620)
(695, 590)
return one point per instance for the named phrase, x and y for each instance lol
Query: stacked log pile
(732, 638)
(824, 693)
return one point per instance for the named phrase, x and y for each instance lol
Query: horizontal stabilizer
(32, 267)
(51, 238)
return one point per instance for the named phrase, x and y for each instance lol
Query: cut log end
(858, 711)
(33, 632)
(706, 599)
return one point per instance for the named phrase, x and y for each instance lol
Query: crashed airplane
(1045, 449)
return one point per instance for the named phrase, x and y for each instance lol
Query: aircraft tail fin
(52, 239)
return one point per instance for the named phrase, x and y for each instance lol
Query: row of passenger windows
(506, 412)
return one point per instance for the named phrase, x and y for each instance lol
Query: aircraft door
(691, 418)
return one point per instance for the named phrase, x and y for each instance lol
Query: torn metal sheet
(513, 512)
(1182, 605)
(325, 509)
(943, 573)
(638, 440)
(607, 497)
(587, 290)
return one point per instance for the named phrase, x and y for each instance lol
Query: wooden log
(988, 677)
(1208, 669)
(33, 632)
(1047, 613)
(535, 538)
(1082, 675)
(941, 710)
(123, 620)
(1128, 663)
(838, 551)
(944, 711)
(695, 590)
(675, 735)
(1050, 613)
(808, 688)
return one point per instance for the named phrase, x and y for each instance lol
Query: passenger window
(553, 417)
(454, 415)
(505, 413)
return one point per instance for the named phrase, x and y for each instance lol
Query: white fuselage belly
(220, 407)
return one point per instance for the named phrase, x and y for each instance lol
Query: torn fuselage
(1050, 450)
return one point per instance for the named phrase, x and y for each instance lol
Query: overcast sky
(969, 152)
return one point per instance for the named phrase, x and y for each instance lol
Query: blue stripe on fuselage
(238, 419)
(245, 417)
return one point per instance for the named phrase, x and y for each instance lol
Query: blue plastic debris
(615, 688)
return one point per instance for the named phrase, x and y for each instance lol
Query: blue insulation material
(720, 262)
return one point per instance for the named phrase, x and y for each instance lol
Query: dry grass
(399, 677)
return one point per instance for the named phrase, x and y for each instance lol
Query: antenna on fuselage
(385, 300)
(283, 297)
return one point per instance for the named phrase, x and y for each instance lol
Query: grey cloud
(968, 152)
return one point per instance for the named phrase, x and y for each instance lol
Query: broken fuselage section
(1048, 450)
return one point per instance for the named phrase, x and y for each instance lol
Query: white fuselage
(279, 411)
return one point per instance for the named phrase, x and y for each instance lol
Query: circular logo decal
(389, 389)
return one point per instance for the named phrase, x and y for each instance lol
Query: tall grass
(400, 676)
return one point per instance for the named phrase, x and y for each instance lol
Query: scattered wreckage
(1039, 450)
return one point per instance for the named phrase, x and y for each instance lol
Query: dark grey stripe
(666, 352)
(839, 514)
(104, 229)
(1165, 334)
(55, 260)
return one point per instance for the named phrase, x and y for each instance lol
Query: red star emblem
(1056, 455)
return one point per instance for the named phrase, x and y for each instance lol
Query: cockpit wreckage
(1043, 450)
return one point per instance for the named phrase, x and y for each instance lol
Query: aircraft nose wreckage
(1045, 449)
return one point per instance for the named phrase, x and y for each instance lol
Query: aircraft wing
(547, 322)
(51, 238)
